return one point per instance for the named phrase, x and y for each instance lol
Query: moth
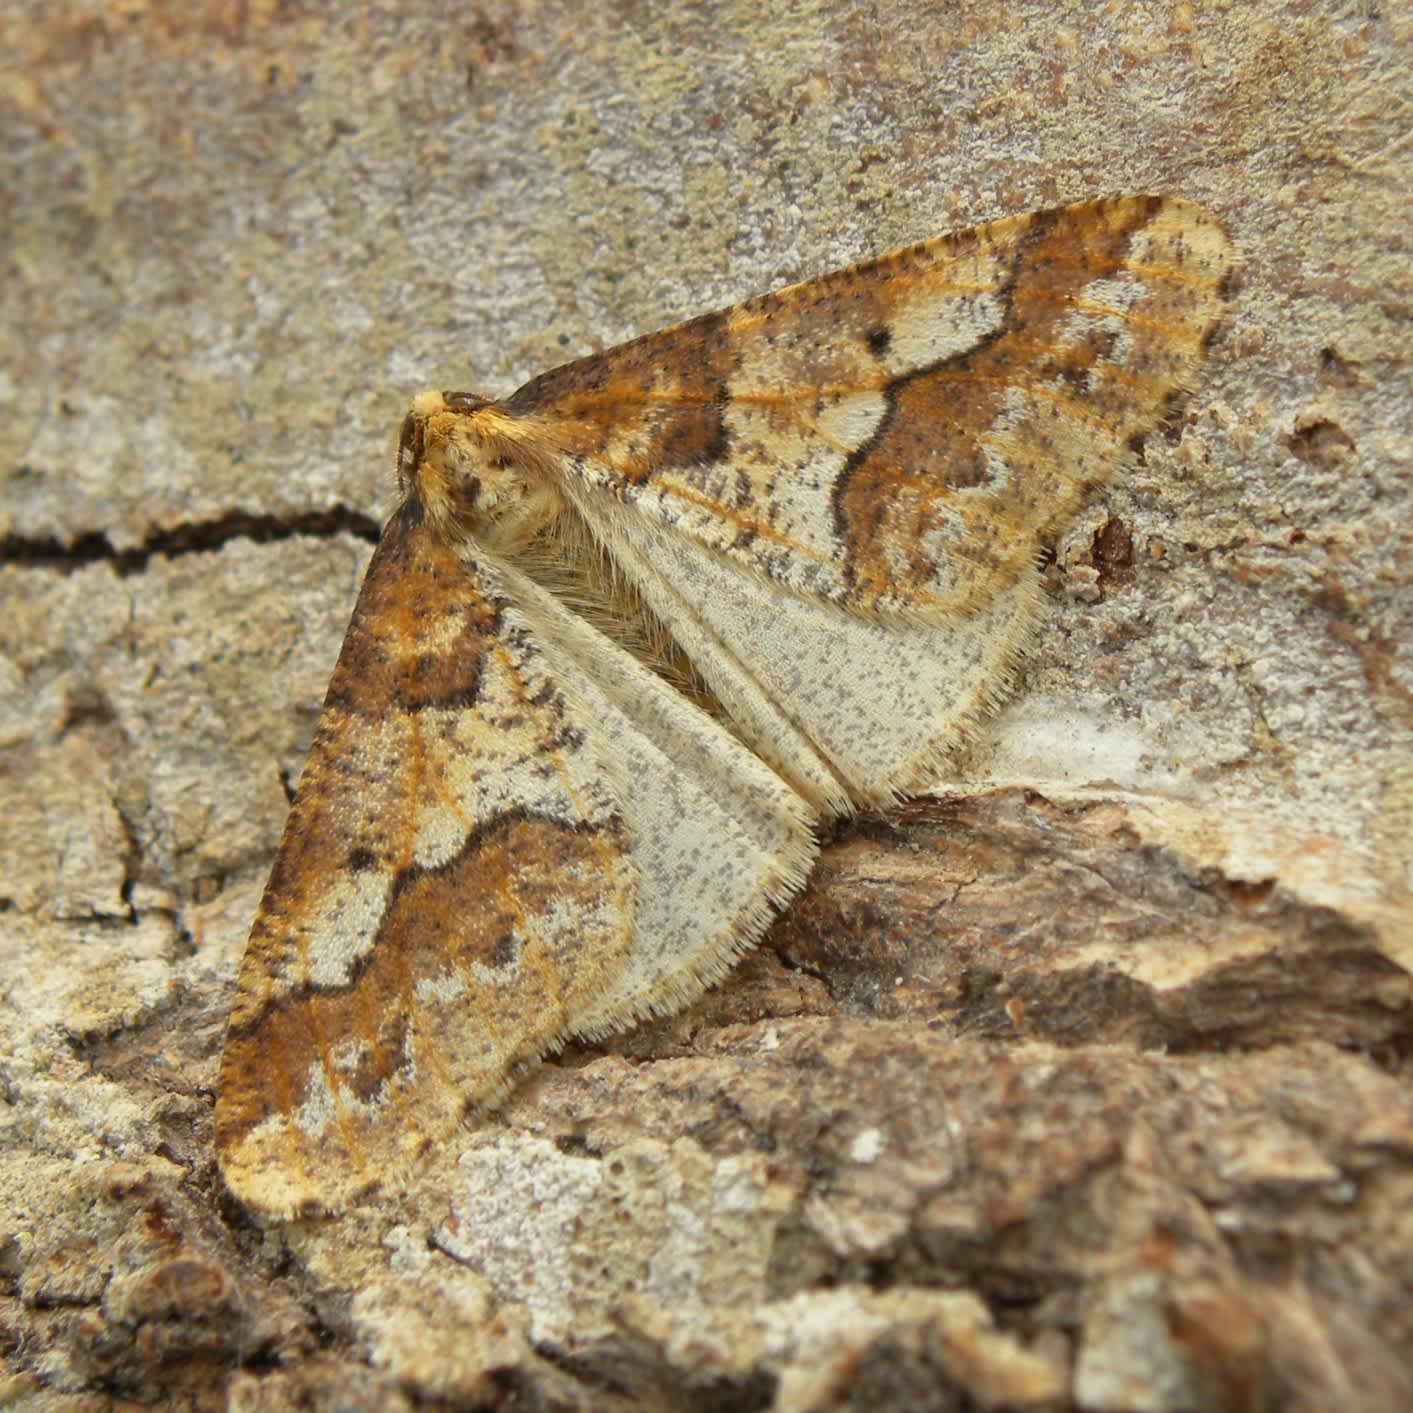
(634, 631)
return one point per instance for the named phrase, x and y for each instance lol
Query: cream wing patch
(870, 709)
(718, 839)
(634, 629)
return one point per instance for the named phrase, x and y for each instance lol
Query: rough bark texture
(1083, 1085)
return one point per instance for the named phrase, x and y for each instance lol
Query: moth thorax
(476, 471)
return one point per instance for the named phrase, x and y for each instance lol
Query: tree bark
(1079, 1084)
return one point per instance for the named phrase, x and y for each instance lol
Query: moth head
(478, 472)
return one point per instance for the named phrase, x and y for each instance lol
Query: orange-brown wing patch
(894, 437)
(647, 407)
(452, 890)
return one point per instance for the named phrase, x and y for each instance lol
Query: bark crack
(196, 537)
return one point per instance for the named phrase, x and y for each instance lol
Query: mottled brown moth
(633, 631)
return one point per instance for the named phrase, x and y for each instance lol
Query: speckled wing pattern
(444, 760)
(893, 438)
(506, 827)
(512, 827)
(846, 482)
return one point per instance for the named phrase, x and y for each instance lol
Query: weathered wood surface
(1082, 1085)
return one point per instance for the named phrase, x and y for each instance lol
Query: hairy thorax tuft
(477, 471)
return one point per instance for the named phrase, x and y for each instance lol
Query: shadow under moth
(633, 631)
